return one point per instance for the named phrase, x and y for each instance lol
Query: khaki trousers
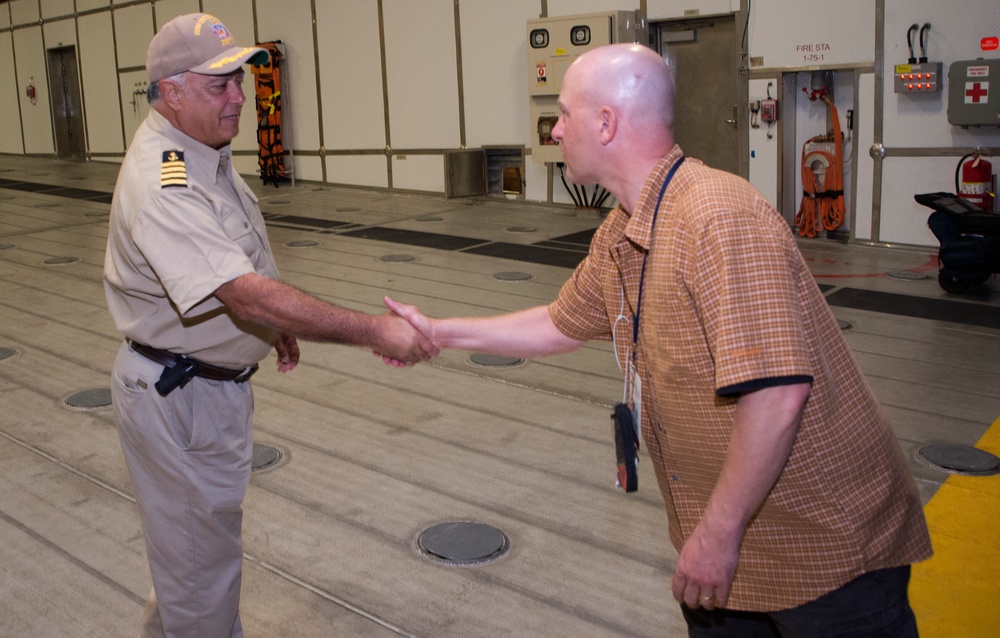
(188, 455)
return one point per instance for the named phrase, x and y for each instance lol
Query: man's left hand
(287, 348)
(705, 568)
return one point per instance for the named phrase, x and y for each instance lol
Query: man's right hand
(526, 333)
(413, 316)
(402, 343)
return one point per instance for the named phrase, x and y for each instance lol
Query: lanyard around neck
(642, 277)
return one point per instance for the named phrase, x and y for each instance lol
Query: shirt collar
(639, 229)
(196, 154)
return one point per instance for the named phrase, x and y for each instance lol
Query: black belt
(191, 368)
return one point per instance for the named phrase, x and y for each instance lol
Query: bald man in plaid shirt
(787, 495)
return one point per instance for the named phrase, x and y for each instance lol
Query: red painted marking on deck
(932, 264)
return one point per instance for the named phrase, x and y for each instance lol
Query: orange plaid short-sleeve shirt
(729, 306)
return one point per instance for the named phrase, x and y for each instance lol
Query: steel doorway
(704, 55)
(67, 115)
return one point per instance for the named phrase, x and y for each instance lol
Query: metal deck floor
(373, 455)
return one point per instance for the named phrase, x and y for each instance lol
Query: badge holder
(626, 448)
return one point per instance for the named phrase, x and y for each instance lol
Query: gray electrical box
(971, 99)
(553, 44)
(912, 79)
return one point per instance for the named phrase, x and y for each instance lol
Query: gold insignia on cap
(218, 64)
(173, 171)
(202, 20)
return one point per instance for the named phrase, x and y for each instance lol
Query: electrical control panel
(553, 44)
(974, 93)
(917, 75)
(917, 78)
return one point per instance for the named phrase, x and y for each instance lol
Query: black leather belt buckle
(247, 374)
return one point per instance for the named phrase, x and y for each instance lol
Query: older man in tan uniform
(192, 285)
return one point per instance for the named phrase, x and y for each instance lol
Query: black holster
(176, 376)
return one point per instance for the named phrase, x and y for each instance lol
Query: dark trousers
(873, 605)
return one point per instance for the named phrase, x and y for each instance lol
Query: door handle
(735, 115)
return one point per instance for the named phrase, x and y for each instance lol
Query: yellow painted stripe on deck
(956, 593)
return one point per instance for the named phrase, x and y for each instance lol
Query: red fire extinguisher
(976, 183)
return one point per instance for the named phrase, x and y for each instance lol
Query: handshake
(412, 336)
(408, 336)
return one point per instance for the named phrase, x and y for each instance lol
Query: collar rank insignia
(173, 172)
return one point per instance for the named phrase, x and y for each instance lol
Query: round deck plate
(94, 399)
(463, 543)
(264, 457)
(961, 459)
(494, 360)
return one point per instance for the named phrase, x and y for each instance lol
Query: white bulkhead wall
(375, 99)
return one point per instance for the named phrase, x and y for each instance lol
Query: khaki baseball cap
(200, 43)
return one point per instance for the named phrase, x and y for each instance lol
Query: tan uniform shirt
(182, 224)
(729, 306)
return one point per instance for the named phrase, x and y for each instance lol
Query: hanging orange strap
(267, 84)
(832, 207)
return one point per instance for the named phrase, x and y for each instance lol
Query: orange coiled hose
(823, 207)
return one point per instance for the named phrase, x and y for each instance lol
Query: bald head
(631, 78)
(617, 105)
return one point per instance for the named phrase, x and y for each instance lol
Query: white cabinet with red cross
(974, 93)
